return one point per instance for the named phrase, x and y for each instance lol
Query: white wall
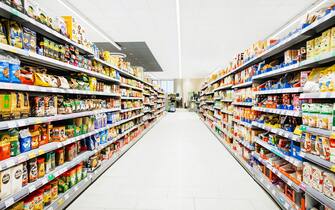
(185, 86)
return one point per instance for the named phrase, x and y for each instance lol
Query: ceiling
(211, 31)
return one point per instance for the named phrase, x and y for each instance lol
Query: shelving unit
(103, 116)
(265, 94)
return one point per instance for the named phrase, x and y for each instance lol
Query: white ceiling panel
(212, 31)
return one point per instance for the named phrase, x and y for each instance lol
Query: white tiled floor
(178, 165)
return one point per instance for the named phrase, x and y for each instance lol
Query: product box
(329, 185)
(5, 183)
(16, 174)
(326, 41)
(310, 49)
(71, 27)
(317, 46)
(317, 178)
(332, 149)
(332, 39)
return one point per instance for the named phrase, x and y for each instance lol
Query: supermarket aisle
(177, 165)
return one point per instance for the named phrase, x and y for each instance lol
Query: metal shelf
(316, 131)
(66, 198)
(274, 150)
(131, 109)
(294, 113)
(31, 187)
(227, 100)
(13, 14)
(131, 98)
(279, 91)
(50, 62)
(249, 125)
(317, 95)
(38, 120)
(319, 161)
(130, 86)
(244, 143)
(304, 34)
(277, 172)
(319, 196)
(243, 85)
(209, 102)
(243, 103)
(226, 112)
(278, 196)
(34, 88)
(223, 87)
(278, 131)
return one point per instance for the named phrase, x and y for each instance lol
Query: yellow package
(326, 38)
(332, 39)
(317, 47)
(72, 27)
(310, 49)
(93, 83)
(41, 79)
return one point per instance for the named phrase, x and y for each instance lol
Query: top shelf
(8, 12)
(302, 35)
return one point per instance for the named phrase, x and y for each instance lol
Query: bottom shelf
(68, 197)
(275, 193)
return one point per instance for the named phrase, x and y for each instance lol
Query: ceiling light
(80, 16)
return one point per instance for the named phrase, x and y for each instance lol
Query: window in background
(166, 85)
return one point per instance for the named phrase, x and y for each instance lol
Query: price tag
(41, 152)
(10, 163)
(31, 155)
(289, 182)
(11, 124)
(286, 205)
(9, 202)
(60, 201)
(66, 196)
(44, 181)
(21, 123)
(75, 188)
(273, 192)
(51, 208)
(31, 188)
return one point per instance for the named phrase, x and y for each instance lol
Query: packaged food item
(5, 183)
(4, 145)
(17, 206)
(58, 133)
(317, 177)
(15, 34)
(54, 189)
(73, 177)
(329, 185)
(14, 70)
(40, 167)
(47, 195)
(60, 156)
(38, 199)
(332, 39)
(35, 138)
(4, 68)
(32, 170)
(25, 140)
(310, 49)
(71, 27)
(25, 178)
(14, 142)
(16, 174)
(37, 106)
(3, 34)
(17, 4)
(69, 152)
(31, 8)
(50, 104)
(326, 41)
(62, 184)
(29, 203)
(29, 40)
